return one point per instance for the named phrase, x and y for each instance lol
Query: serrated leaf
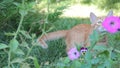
(17, 60)
(3, 46)
(19, 52)
(36, 64)
(13, 45)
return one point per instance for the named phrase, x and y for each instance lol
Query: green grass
(56, 48)
(55, 55)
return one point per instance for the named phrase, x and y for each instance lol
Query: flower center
(118, 29)
(112, 23)
(75, 53)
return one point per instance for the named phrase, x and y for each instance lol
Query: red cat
(79, 34)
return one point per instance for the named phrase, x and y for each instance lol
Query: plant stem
(29, 52)
(18, 29)
(20, 24)
(46, 21)
(92, 46)
(9, 54)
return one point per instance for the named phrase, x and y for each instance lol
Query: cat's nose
(119, 29)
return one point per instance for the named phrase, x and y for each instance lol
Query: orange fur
(79, 34)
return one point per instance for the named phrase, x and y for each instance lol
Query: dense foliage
(22, 21)
(104, 4)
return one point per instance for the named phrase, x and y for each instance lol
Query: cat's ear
(93, 18)
(110, 13)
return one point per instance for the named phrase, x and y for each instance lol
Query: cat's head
(97, 21)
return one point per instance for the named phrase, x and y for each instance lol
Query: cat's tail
(51, 36)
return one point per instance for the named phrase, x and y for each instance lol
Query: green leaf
(25, 65)
(30, 5)
(75, 64)
(101, 66)
(17, 4)
(107, 64)
(3, 46)
(88, 56)
(104, 54)
(66, 60)
(5, 67)
(10, 34)
(17, 60)
(100, 48)
(113, 55)
(24, 44)
(86, 65)
(33, 35)
(26, 34)
(13, 45)
(95, 60)
(23, 12)
(94, 36)
(19, 52)
(36, 64)
(30, 57)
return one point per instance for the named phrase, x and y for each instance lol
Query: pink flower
(73, 54)
(112, 24)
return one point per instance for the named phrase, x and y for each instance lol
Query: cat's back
(82, 28)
